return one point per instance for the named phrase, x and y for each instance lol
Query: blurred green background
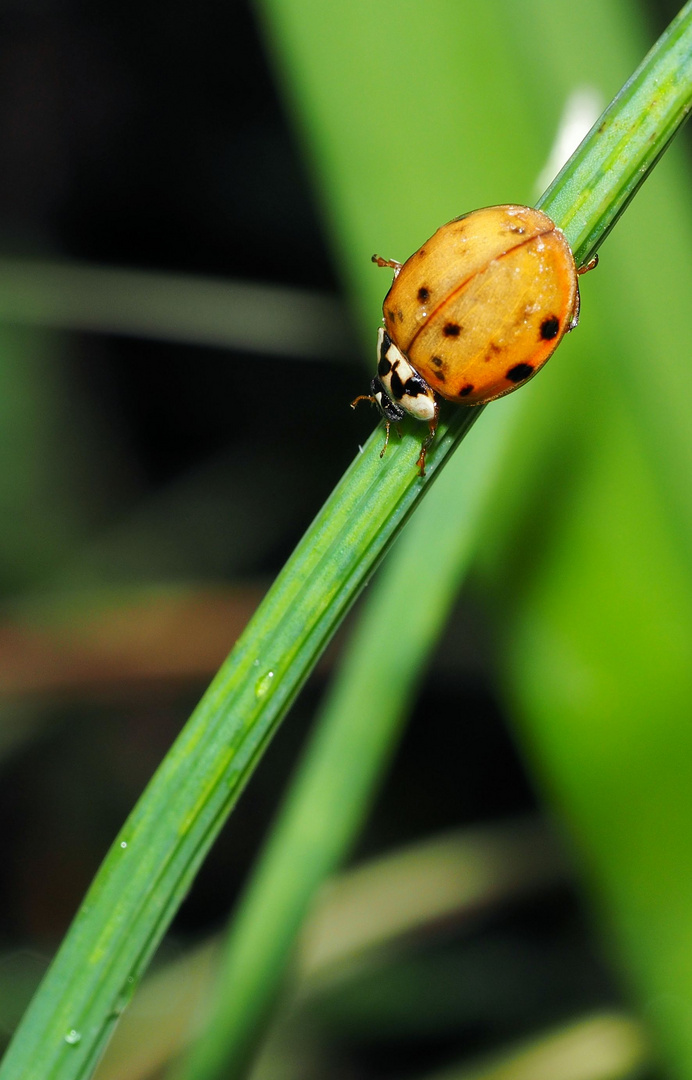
(188, 206)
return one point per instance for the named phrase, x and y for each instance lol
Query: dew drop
(123, 843)
(73, 1037)
(262, 685)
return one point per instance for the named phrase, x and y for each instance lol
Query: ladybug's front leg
(389, 411)
(432, 424)
(387, 426)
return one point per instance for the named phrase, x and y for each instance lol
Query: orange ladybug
(473, 314)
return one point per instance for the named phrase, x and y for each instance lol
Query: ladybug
(473, 314)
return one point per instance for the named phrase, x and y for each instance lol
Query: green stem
(590, 193)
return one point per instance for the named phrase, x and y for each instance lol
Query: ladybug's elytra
(473, 314)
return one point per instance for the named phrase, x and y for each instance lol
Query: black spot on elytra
(390, 315)
(518, 229)
(519, 372)
(437, 361)
(400, 315)
(384, 367)
(493, 350)
(396, 385)
(421, 253)
(550, 327)
(424, 294)
(451, 329)
(466, 390)
(439, 376)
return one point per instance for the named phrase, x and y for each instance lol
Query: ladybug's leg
(391, 263)
(363, 397)
(387, 425)
(432, 424)
(574, 321)
(590, 265)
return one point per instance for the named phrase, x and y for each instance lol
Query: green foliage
(580, 519)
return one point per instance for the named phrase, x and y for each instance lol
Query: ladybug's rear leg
(391, 263)
(590, 265)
